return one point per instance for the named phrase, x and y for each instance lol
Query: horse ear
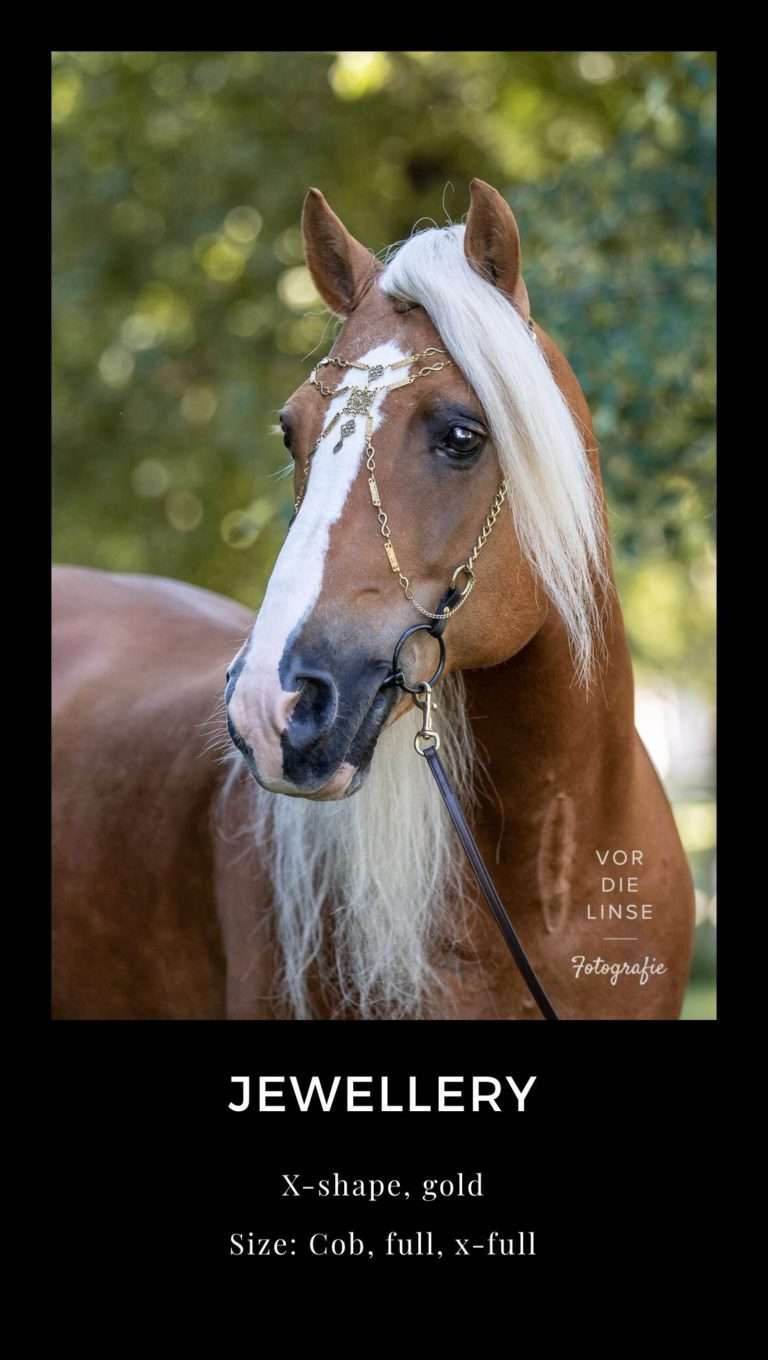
(492, 243)
(340, 267)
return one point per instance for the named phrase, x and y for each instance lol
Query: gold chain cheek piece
(360, 402)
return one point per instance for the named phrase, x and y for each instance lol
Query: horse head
(433, 448)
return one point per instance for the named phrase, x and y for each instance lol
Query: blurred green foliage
(184, 315)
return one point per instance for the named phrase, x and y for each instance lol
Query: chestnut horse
(307, 869)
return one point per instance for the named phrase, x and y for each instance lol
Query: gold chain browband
(359, 403)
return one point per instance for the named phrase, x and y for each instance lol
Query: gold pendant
(359, 402)
(347, 429)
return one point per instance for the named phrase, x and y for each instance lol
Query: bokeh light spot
(164, 129)
(239, 529)
(289, 246)
(159, 315)
(184, 510)
(223, 261)
(168, 79)
(243, 225)
(696, 824)
(65, 95)
(596, 67)
(296, 289)
(150, 478)
(212, 75)
(356, 74)
(116, 366)
(198, 405)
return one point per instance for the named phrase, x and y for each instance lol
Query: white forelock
(553, 495)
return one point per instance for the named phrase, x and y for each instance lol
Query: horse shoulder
(140, 742)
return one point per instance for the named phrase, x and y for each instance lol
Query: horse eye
(460, 441)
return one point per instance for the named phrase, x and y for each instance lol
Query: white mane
(552, 493)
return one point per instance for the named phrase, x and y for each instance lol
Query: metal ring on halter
(470, 575)
(424, 735)
(397, 676)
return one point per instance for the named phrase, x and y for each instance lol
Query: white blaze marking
(260, 707)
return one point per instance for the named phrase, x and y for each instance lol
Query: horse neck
(541, 735)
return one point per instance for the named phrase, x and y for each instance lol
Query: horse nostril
(227, 677)
(316, 708)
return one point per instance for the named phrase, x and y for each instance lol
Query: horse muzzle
(310, 732)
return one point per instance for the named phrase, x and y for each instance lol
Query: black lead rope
(487, 886)
(456, 813)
